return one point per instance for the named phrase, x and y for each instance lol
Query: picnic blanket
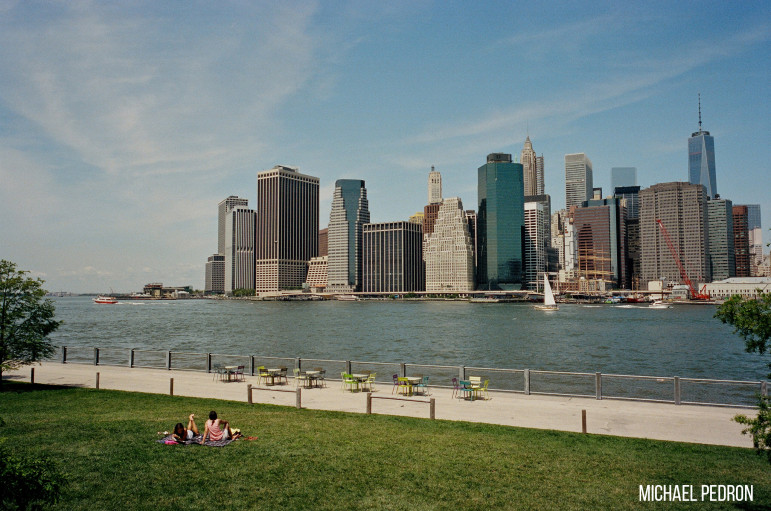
(169, 440)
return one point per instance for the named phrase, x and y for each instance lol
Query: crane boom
(694, 293)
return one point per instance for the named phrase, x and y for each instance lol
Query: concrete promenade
(660, 421)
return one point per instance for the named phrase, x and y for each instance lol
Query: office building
(721, 239)
(324, 242)
(622, 177)
(600, 228)
(755, 238)
(350, 211)
(630, 194)
(226, 206)
(448, 251)
(532, 169)
(430, 214)
(701, 159)
(215, 275)
(417, 218)
(741, 241)
(393, 258)
(471, 219)
(239, 249)
(630, 199)
(434, 187)
(682, 208)
(500, 223)
(536, 242)
(287, 228)
(316, 280)
(579, 185)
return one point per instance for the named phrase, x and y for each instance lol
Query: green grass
(104, 442)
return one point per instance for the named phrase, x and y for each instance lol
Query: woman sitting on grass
(181, 433)
(218, 429)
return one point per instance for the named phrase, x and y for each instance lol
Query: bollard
(583, 421)
(64, 354)
(168, 360)
(249, 393)
(171, 386)
(299, 397)
(96, 356)
(369, 403)
(131, 358)
(433, 408)
(97, 380)
(32, 375)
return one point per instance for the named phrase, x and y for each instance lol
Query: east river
(684, 341)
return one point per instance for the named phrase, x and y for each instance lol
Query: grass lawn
(105, 443)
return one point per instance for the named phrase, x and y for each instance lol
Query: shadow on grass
(20, 387)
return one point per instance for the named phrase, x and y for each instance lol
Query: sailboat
(549, 304)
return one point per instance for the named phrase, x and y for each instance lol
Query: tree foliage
(751, 319)
(26, 319)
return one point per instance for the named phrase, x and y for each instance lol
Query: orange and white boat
(105, 299)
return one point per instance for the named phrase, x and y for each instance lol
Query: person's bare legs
(191, 424)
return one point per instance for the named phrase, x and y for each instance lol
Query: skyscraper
(434, 186)
(755, 238)
(226, 206)
(500, 223)
(622, 176)
(393, 258)
(682, 208)
(601, 241)
(578, 179)
(215, 275)
(536, 241)
(350, 210)
(701, 159)
(532, 168)
(741, 241)
(721, 243)
(287, 227)
(239, 249)
(448, 250)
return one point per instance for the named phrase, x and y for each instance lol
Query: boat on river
(549, 303)
(105, 299)
(658, 304)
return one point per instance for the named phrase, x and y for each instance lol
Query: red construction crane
(695, 295)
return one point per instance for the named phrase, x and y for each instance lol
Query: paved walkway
(661, 421)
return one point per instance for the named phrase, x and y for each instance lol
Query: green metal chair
(300, 377)
(405, 386)
(482, 390)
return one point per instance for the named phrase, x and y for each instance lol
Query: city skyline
(124, 125)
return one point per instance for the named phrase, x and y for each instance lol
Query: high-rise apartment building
(448, 251)
(239, 249)
(393, 258)
(215, 275)
(601, 241)
(536, 242)
(682, 208)
(579, 184)
(226, 206)
(741, 241)
(287, 227)
(434, 186)
(500, 223)
(532, 168)
(622, 176)
(721, 239)
(701, 159)
(350, 211)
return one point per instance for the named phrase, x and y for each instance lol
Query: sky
(124, 124)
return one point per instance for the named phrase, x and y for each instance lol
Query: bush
(28, 483)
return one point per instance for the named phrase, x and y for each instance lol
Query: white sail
(548, 296)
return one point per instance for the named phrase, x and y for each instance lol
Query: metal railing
(665, 389)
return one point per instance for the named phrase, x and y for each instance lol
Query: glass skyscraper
(622, 176)
(701, 160)
(500, 223)
(350, 211)
(578, 179)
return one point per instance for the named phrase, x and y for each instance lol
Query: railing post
(96, 356)
(249, 393)
(348, 367)
(208, 362)
(677, 390)
(433, 408)
(403, 369)
(527, 382)
(461, 373)
(168, 360)
(298, 363)
(763, 388)
(299, 397)
(369, 403)
(64, 354)
(131, 358)
(251, 365)
(598, 385)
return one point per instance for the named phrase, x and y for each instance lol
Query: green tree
(26, 319)
(751, 319)
(28, 483)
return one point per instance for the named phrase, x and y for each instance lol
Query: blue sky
(123, 124)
